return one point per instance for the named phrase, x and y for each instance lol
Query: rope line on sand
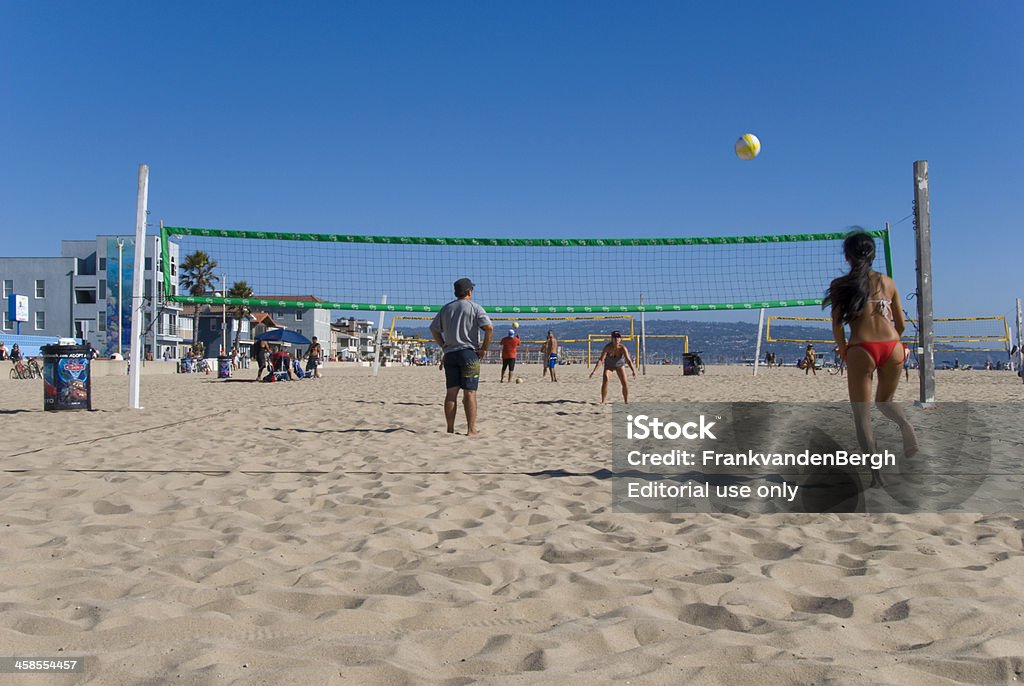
(600, 474)
(149, 428)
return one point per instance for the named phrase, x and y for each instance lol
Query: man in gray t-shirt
(456, 328)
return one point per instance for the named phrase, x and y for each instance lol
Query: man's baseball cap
(463, 286)
(512, 333)
(616, 334)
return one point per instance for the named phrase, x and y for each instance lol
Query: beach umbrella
(283, 336)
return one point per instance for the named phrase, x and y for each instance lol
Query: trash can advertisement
(66, 382)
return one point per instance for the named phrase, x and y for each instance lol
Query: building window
(103, 288)
(298, 315)
(103, 264)
(101, 321)
(214, 324)
(7, 323)
(174, 269)
(40, 288)
(40, 321)
(147, 291)
(85, 296)
(8, 287)
(149, 263)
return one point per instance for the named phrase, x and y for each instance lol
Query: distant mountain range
(718, 342)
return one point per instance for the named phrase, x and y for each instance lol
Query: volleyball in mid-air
(748, 147)
(515, 325)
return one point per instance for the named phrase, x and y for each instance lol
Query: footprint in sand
(717, 617)
(103, 507)
(896, 612)
(837, 607)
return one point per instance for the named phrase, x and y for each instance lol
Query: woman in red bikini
(870, 304)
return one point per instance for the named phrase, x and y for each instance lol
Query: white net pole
(1020, 338)
(138, 275)
(760, 333)
(643, 339)
(380, 329)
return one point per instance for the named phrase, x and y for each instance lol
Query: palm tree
(239, 289)
(197, 278)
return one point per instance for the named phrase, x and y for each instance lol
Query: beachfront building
(220, 329)
(309, 321)
(354, 339)
(49, 284)
(85, 293)
(261, 323)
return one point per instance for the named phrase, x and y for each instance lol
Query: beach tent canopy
(283, 336)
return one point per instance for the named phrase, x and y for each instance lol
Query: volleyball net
(952, 334)
(574, 333)
(514, 275)
(532, 330)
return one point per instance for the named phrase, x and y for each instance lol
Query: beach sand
(330, 531)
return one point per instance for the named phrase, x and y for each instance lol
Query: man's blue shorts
(462, 370)
(552, 360)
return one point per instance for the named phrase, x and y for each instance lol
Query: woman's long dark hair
(849, 294)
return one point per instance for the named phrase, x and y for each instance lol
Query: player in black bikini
(615, 356)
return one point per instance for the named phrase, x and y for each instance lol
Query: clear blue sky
(527, 118)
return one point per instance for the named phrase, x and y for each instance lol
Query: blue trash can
(223, 367)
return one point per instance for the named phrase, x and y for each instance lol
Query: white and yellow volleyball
(515, 325)
(747, 147)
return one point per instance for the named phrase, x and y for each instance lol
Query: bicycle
(20, 370)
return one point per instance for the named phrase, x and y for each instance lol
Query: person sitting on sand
(870, 304)
(615, 356)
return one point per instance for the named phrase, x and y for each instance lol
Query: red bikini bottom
(880, 351)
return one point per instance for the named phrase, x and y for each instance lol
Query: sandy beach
(330, 532)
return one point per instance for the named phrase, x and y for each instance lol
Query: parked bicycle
(26, 369)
